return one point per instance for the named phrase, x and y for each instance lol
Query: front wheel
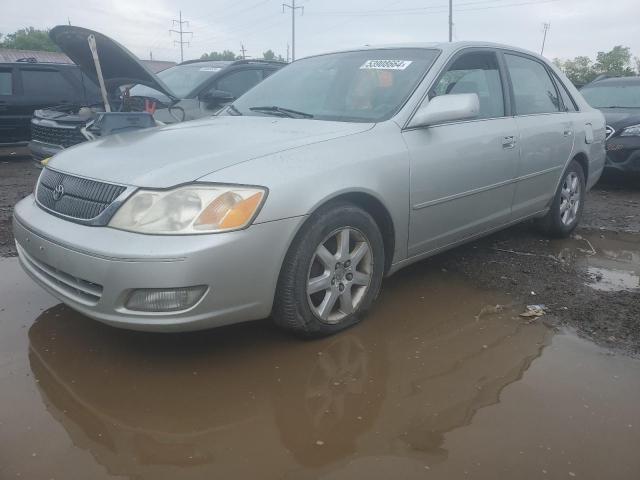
(332, 272)
(566, 209)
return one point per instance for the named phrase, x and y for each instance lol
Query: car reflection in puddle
(611, 261)
(247, 402)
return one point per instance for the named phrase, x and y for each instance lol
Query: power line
(546, 27)
(181, 32)
(293, 25)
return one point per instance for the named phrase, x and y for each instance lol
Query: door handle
(508, 142)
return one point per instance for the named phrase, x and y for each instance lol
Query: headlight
(190, 210)
(632, 131)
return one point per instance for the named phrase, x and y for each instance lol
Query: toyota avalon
(297, 200)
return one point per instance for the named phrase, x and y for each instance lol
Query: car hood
(119, 66)
(619, 118)
(167, 156)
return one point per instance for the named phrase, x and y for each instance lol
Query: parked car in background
(335, 171)
(619, 100)
(28, 85)
(184, 92)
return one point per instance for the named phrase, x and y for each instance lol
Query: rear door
(545, 129)
(462, 172)
(14, 127)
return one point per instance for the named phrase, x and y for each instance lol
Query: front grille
(65, 137)
(78, 198)
(609, 131)
(80, 290)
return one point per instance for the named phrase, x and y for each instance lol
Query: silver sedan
(302, 195)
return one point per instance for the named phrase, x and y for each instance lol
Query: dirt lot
(443, 380)
(590, 282)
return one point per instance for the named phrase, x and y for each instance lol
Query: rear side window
(48, 83)
(477, 73)
(533, 89)
(567, 100)
(237, 83)
(6, 83)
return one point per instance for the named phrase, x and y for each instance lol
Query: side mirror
(447, 108)
(216, 97)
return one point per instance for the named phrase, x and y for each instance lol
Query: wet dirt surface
(443, 379)
(436, 383)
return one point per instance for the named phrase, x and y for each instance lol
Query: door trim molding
(420, 206)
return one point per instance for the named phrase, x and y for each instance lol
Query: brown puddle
(611, 260)
(436, 383)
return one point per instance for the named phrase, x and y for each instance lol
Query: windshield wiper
(284, 112)
(617, 106)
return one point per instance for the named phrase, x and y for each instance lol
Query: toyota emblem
(58, 192)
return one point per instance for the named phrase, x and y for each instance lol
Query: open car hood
(119, 66)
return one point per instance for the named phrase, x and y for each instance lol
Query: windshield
(624, 95)
(361, 86)
(181, 80)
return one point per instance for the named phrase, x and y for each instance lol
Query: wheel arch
(371, 204)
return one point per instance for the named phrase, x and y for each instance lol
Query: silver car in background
(335, 171)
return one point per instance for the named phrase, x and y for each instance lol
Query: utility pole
(450, 21)
(179, 23)
(243, 50)
(293, 25)
(546, 27)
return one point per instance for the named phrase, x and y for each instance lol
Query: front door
(462, 172)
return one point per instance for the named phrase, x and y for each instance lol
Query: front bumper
(93, 269)
(623, 154)
(41, 150)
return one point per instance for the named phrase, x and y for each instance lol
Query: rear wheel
(566, 210)
(332, 272)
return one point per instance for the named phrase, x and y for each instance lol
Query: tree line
(581, 70)
(229, 55)
(617, 62)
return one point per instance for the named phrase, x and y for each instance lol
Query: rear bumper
(94, 269)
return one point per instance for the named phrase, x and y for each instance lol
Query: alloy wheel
(570, 197)
(339, 274)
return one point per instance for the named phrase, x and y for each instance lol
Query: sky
(578, 27)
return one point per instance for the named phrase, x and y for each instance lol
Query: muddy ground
(590, 282)
(443, 380)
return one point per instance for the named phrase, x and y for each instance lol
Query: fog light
(164, 299)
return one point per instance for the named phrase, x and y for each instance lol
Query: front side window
(533, 89)
(608, 95)
(360, 86)
(477, 73)
(6, 83)
(237, 83)
(49, 83)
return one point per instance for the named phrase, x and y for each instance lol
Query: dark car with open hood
(135, 96)
(619, 100)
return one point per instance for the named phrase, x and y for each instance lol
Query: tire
(566, 209)
(338, 273)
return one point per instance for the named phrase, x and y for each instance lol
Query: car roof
(28, 62)
(445, 47)
(635, 80)
(228, 63)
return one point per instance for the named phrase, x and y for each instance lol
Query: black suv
(187, 91)
(27, 85)
(619, 100)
